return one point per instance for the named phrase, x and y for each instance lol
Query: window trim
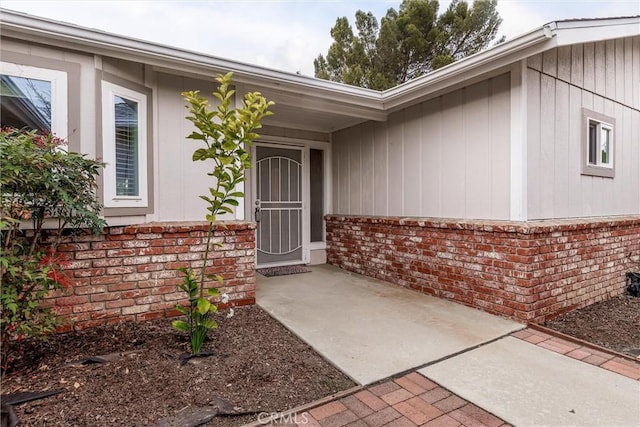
(59, 91)
(599, 170)
(111, 199)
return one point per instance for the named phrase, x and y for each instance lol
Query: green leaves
(213, 292)
(203, 305)
(408, 43)
(180, 325)
(39, 181)
(226, 133)
(198, 312)
(200, 153)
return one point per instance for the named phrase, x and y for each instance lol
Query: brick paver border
(580, 350)
(412, 400)
(408, 401)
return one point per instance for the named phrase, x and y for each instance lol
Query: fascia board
(470, 67)
(321, 94)
(574, 34)
(98, 42)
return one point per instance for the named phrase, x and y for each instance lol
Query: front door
(278, 205)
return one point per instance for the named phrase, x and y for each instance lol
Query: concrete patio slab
(370, 329)
(527, 385)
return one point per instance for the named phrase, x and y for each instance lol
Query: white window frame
(111, 199)
(605, 170)
(59, 84)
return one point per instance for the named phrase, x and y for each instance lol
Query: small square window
(598, 153)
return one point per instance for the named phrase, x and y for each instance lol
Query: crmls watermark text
(277, 418)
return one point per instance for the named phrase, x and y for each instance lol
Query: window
(598, 143)
(33, 98)
(124, 127)
(316, 172)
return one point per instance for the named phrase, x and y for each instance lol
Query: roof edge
(23, 23)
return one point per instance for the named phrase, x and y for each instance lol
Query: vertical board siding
(179, 178)
(343, 168)
(499, 108)
(453, 157)
(628, 72)
(561, 207)
(380, 167)
(547, 144)
(600, 68)
(589, 71)
(355, 173)
(577, 65)
(395, 164)
(446, 157)
(432, 133)
(533, 150)
(368, 171)
(603, 77)
(411, 163)
(477, 150)
(635, 71)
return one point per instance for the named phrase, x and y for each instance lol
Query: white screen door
(278, 205)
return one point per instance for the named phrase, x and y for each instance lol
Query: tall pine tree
(407, 43)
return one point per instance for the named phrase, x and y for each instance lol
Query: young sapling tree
(226, 133)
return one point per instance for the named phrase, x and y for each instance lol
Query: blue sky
(286, 34)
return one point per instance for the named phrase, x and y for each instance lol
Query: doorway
(278, 205)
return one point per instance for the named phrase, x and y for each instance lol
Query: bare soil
(258, 366)
(614, 324)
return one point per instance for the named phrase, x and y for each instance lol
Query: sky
(281, 34)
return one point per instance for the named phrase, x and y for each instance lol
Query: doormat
(282, 271)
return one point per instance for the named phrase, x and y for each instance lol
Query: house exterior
(509, 181)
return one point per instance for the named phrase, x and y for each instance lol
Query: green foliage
(226, 133)
(198, 312)
(46, 195)
(408, 43)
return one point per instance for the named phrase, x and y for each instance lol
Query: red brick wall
(528, 271)
(130, 273)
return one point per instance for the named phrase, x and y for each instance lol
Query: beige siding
(131, 71)
(447, 157)
(608, 68)
(603, 77)
(179, 180)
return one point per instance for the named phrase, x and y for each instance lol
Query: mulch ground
(259, 366)
(614, 324)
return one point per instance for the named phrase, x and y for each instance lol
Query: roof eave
(472, 66)
(36, 29)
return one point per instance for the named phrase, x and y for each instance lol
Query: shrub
(47, 195)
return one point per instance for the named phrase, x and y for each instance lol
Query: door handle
(257, 213)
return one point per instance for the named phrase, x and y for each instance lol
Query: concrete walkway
(472, 371)
(528, 385)
(369, 329)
